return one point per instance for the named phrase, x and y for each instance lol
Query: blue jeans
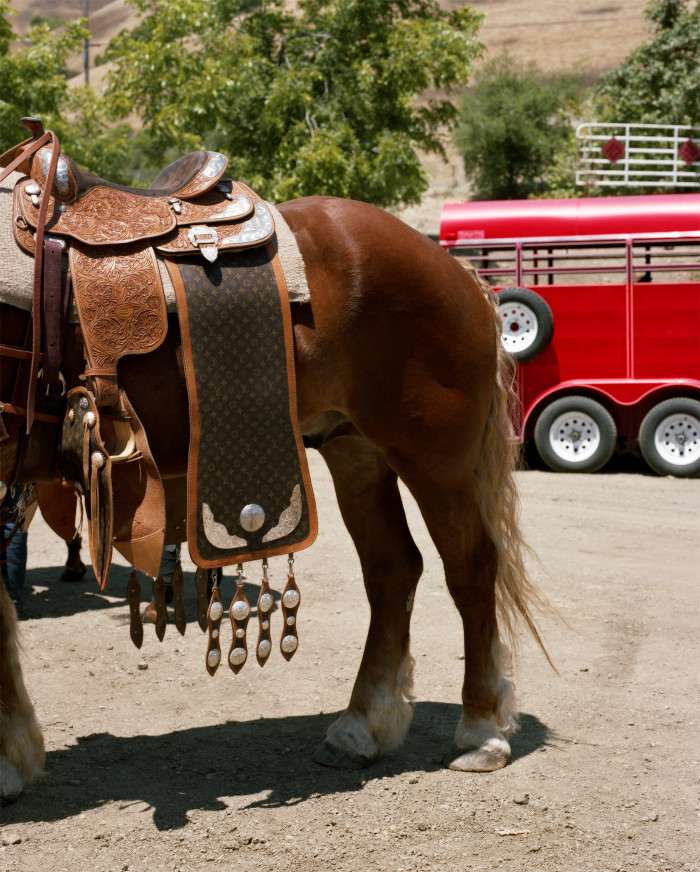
(13, 562)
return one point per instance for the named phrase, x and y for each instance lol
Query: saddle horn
(34, 125)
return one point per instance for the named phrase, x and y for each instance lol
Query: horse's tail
(517, 597)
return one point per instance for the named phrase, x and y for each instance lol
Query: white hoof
(349, 735)
(479, 746)
(11, 784)
(492, 755)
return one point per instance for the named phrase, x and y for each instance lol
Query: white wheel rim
(574, 436)
(677, 439)
(519, 326)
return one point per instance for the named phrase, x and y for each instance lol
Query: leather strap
(24, 368)
(38, 273)
(18, 353)
(53, 310)
(19, 153)
(22, 412)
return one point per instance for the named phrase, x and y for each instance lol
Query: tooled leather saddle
(110, 235)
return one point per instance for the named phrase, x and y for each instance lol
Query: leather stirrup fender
(139, 501)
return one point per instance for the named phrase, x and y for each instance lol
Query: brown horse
(400, 374)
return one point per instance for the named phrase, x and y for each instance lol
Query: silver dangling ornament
(215, 613)
(265, 603)
(240, 615)
(291, 598)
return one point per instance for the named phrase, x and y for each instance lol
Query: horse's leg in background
(470, 561)
(470, 505)
(21, 740)
(380, 710)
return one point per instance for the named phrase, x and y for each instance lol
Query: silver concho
(252, 517)
(264, 648)
(240, 610)
(88, 419)
(266, 602)
(240, 633)
(214, 657)
(291, 599)
(266, 625)
(289, 644)
(216, 610)
(291, 620)
(98, 459)
(238, 656)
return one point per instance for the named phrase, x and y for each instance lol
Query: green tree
(34, 81)
(512, 122)
(33, 76)
(659, 82)
(323, 101)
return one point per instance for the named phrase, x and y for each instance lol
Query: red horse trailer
(600, 306)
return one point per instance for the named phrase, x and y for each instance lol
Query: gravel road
(152, 765)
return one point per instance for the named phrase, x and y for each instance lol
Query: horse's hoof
(72, 574)
(11, 784)
(328, 755)
(150, 614)
(487, 758)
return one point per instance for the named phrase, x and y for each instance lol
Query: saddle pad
(248, 491)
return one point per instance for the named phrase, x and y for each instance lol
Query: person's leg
(14, 559)
(169, 558)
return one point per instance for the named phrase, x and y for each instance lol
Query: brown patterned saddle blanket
(106, 237)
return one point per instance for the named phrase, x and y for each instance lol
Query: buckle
(205, 239)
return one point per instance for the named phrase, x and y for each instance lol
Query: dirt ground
(152, 765)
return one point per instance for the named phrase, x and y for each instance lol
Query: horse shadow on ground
(264, 763)
(48, 597)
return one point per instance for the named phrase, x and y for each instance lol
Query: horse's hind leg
(21, 741)
(449, 507)
(380, 710)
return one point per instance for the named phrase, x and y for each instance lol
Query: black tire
(669, 437)
(526, 322)
(575, 434)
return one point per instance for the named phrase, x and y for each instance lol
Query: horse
(400, 375)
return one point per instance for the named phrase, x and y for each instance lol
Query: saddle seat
(186, 178)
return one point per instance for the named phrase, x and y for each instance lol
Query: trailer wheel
(575, 434)
(526, 323)
(669, 437)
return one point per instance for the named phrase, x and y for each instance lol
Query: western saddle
(112, 236)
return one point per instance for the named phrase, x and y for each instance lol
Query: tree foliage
(33, 76)
(512, 121)
(34, 81)
(323, 101)
(659, 82)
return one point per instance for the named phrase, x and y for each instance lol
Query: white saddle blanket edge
(17, 267)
